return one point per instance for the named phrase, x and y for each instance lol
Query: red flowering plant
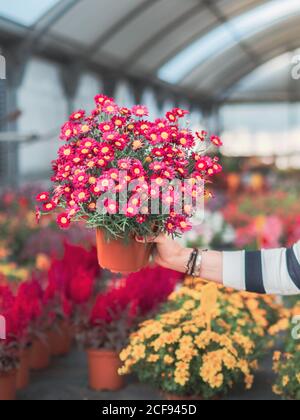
(126, 302)
(116, 163)
(71, 284)
(15, 329)
(32, 306)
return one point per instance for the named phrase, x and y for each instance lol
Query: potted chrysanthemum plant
(128, 177)
(287, 364)
(187, 354)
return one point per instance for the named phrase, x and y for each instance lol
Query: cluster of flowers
(190, 360)
(19, 311)
(22, 240)
(124, 304)
(114, 140)
(287, 364)
(33, 305)
(267, 224)
(181, 354)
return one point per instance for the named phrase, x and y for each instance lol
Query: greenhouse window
(226, 36)
(25, 12)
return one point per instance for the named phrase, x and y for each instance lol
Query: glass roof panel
(227, 35)
(25, 12)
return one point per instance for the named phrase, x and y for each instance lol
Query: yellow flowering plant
(287, 368)
(259, 317)
(11, 273)
(287, 365)
(184, 352)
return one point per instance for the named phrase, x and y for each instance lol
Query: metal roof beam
(121, 24)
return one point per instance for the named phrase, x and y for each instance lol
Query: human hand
(168, 252)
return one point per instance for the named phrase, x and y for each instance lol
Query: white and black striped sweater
(274, 272)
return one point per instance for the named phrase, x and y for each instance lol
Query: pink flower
(140, 111)
(130, 210)
(202, 135)
(124, 164)
(67, 131)
(63, 221)
(80, 179)
(81, 196)
(216, 141)
(51, 205)
(101, 99)
(111, 206)
(172, 117)
(141, 219)
(78, 115)
(110, 107)
(106, 127)
(42, 197)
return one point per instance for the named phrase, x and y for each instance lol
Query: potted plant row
(117, 312)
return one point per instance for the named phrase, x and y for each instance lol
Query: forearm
(265, 272)
(211, 266)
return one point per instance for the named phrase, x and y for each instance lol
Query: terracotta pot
(103, 370)
(119, 256)
(39, 355)
(60, 339)
(8, 386)
(23, 373)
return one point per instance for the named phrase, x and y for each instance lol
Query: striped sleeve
(275, 272)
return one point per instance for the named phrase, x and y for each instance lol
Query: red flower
(101, 99)
(81, 195)
(118, 121)
(106, 127)
(141, 219)
(78, 115)
(180, 112)
(81, 285)
(130, 210)
(216, 141)
(37, 214)
(63, 220)
(110, 107)
(202, 135)
(125, 111)
(80, 179)
(49, 206)
(67, 131)
(140, 111)
(42, 197)
(171, 116)
(111, 206)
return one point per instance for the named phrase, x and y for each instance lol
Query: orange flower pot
(39, 355)
(119, 256)
(103, 370)
(60, 339)
(23, 373)
(8, 386)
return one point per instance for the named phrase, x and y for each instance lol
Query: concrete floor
(66, 379)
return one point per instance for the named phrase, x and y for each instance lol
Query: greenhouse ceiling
(203, 47)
